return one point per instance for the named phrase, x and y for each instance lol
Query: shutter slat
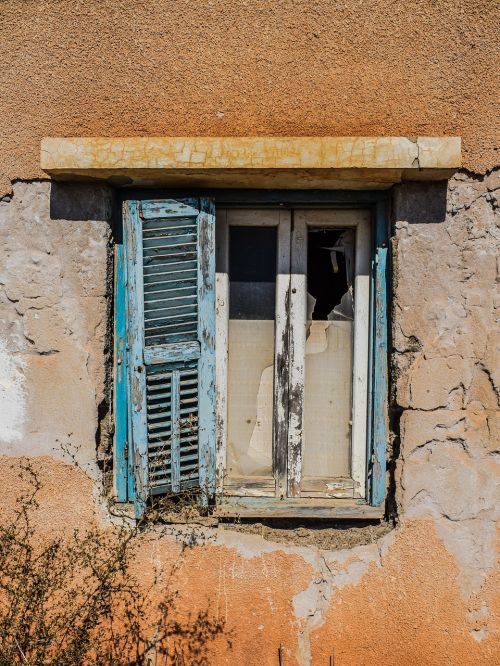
(166, 232)
(168, 240)
(169, 286)
(166, 338)
(168, 277)
(172, 266)
(176, 301)
(167, 223)
(162, 414)
(170, 307)
(154, 425)
(152, 248)
(171, 315)
(174, 420)
(165, 257)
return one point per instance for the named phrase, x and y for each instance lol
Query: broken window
(330, 264)
(291, 352)
(252, 328)
(328, 357)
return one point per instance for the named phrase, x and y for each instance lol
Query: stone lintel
(260, 162)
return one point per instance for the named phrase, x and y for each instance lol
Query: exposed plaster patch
(53, 311)
(12, 395)
(473, 545)
(330, 571)
(447, 383)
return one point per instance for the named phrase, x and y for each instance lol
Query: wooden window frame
(281, 219)
(316, 217)
(377, 424)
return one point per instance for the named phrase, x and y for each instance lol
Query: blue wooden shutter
(170, 246)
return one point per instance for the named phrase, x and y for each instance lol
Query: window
(243, 347)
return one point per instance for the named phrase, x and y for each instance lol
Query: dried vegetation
(68, 600)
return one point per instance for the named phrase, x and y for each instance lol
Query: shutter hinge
(126, 450)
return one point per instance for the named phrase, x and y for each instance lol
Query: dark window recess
(252, 272)
(330, 270)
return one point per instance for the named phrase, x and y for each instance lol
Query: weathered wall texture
(54, 302)
(427, 592)
(181, 68)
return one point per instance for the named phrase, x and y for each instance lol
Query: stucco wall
(177, 67)
(55, 298)
(425, 593)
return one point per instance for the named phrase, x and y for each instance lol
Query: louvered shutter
(170, 246)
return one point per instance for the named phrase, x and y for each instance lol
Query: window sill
(269, 507)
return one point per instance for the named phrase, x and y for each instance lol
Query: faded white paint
(251, 437)
(221, 347)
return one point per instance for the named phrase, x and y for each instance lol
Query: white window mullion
(281, 365)
(361, 356)
(221, 341)
(297, 346)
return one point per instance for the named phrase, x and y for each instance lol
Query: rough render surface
(427, 592)
(252, 162)
(287, 68)
(54, 302)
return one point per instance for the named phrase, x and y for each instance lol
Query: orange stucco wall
(400, 602)
(182, 68)
(426, 593)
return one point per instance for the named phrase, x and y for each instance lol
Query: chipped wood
(120, 376)
(281, 361)
(135, 345)
(296, 352)
(253, 486)
(327, 487)
(206, 363)
(221, 342)
(259, 507)
(176, 352)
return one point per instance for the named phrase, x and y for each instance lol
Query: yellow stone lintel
(269, 162)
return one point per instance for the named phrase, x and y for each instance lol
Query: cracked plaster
(424, 593)
(54, 302)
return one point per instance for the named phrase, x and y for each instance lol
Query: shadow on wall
(81, 201)
(421, 203)
(93, 202)
(412, 203)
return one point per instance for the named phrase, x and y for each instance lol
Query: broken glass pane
(330, 273)
(329, 353)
